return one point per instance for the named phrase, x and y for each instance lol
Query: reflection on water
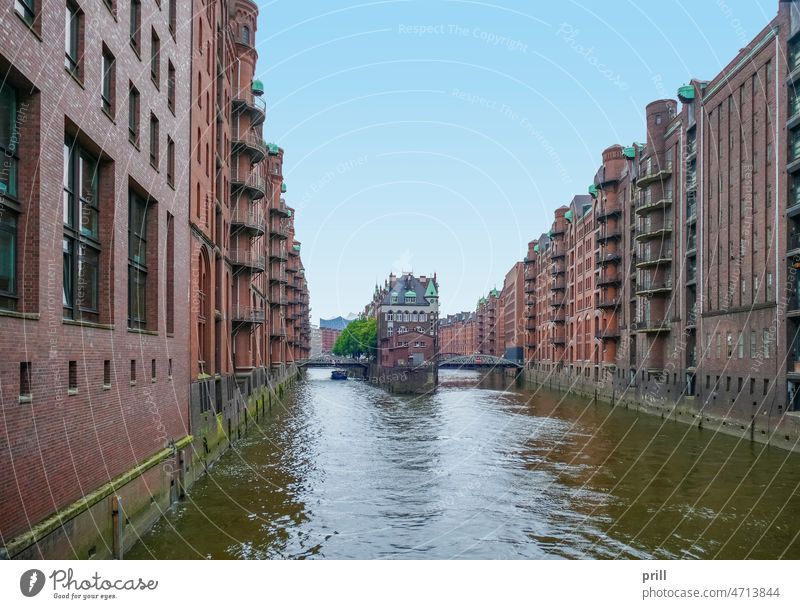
(481, 469)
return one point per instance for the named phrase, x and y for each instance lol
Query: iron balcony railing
(651, 325)
(608, 210)
(251, 219)
(245, 180)
(610, 332)
(248, 259)
(250, 142)
(652, 285)
(647, 201)
(653, 170)
(251, 315)
(646, 230)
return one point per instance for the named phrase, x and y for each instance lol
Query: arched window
(202, 311)
(246, 34)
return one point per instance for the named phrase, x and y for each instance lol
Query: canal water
(481, 469)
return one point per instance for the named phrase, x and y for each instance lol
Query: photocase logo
(31, 582)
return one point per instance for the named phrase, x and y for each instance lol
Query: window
(171, 86)
(169, 368)
(137, 261)
(770, 296)
(133, 115)
(133, 372)
(170, 274)
(73, 376)
(107, 92)
(154, 152)
(136, 24)
(107, 373)
(245, 34)
(719, 345)
(753, 345)
(740, 346)
(765, 341)
(729, 344)
(411, 299)
(81, 241)
(173, 16)
(72, 33)
(25, 380)
(8, 260)
(27, 10)
(153, 370)
(9, 153)
(170, 161)
(155, 58)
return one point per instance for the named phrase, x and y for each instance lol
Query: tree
(360, 337)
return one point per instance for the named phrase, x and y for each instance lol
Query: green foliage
(360, 337)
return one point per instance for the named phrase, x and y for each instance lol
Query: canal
(480, 470)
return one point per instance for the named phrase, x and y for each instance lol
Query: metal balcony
(246, 316)
(278, 230)
(654, 258)
(653, 286)
(608, 234)
(608, 303)
(558, 285)
(278, 253)
(652, 325)
(245, 101)
(253, 184)
(249, 143)
(653, 172)
(609, 279)
(607, 333)
(247, 260)
(645, 231)
(250, 220)
(557, 252)
(607, 211)
(647, 203)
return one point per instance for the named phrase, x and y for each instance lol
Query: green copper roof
(494, 293)
(289, 213)
(629, 152)
(283, 187)
(536, 248)
(296, 248)
(593, 190)
(257, 87)
(686, 93)
(273, 148)
(410, 293)
(430, 291)
(568, 216)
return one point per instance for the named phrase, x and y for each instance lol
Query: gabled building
(407, 310)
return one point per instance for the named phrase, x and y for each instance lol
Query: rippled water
(481, 470)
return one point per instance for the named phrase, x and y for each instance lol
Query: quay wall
(782, 431)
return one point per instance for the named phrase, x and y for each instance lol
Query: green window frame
(71, 32)
(138, 208)
(81, 241)
(26, 9)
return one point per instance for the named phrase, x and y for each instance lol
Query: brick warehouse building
(159, 317)
(95, 383)
(681, 291)
(407, 310)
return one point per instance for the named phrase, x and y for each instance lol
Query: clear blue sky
(440, 135)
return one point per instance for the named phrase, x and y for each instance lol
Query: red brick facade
(87, 394)
(154, 282)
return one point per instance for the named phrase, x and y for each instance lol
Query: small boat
(339, 375)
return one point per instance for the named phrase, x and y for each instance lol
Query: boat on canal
(339, 375)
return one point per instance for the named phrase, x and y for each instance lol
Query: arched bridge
(329, 361)
(477, 360)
